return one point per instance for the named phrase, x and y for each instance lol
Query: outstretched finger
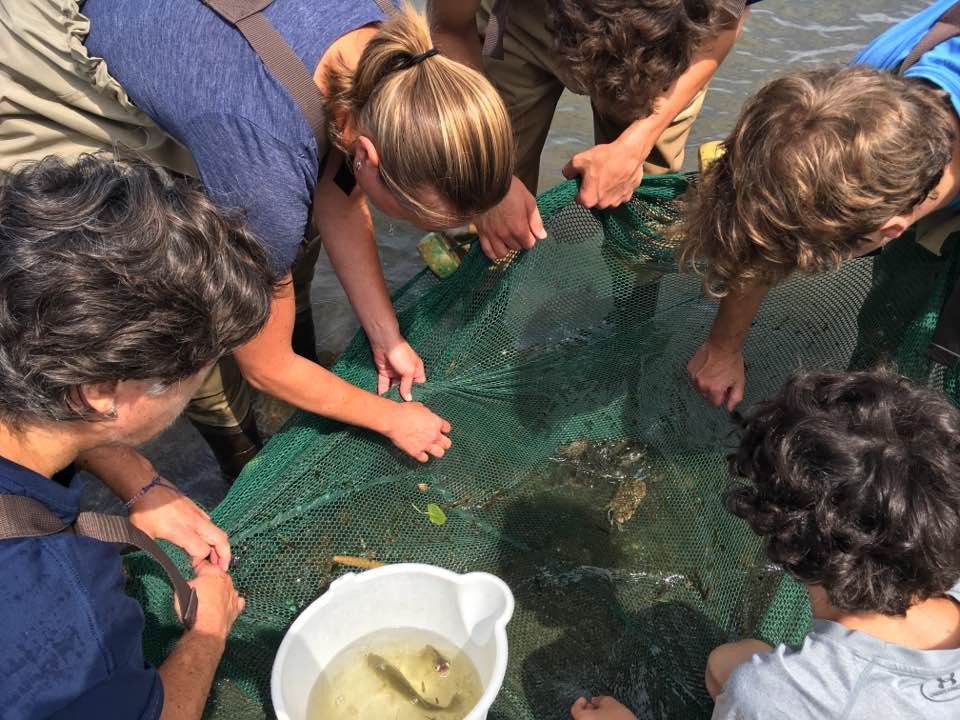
(406, 387)
(383, 382)
(536, 222)
(445, 428)
(734, 396)
(420, 376)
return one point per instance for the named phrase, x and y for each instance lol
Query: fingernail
(542, 235)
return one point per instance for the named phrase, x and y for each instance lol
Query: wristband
(156, 482)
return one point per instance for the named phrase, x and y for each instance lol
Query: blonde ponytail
(438, 125)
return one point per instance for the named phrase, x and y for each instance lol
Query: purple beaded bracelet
(156, 482)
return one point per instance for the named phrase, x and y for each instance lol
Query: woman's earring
(113, 412)
(358, 165)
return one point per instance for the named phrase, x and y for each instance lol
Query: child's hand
(600, 708)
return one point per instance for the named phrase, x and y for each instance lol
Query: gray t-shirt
(844, 675)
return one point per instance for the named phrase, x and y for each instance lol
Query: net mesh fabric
(585, 470)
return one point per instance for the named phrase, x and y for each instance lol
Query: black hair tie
(409, 62)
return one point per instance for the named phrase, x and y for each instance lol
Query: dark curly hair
(853, 480)
(626, 54)
(116, 270)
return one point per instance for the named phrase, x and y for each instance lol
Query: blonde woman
(197, 87)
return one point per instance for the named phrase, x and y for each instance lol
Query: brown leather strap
(279, 58)
(948, 26)
(24, 517)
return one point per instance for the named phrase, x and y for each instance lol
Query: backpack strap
(279, 58)
(387, 7)
(496, 29)
(24, 517)
(947, 27)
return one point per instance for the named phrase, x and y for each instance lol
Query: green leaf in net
(434, 513)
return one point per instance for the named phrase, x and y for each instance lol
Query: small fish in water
(398, 681)
(630, 493)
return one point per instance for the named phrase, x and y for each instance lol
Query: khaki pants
(531, 79)
(57, 100)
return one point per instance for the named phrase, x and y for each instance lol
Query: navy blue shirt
(199, 79)
(70, 637)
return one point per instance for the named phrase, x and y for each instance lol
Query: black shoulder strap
(279, 58)
(24, 517)
(948, 26)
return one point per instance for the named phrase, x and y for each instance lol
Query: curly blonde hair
(817, 160)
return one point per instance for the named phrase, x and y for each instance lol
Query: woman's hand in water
(418, 431)
(163, 513)
(398, 365)
(600, 708)
(514, 224)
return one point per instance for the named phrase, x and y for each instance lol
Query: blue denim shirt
(70, 637)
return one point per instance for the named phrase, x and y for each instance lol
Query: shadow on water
(581, 629)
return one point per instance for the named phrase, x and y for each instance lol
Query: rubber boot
(234, 446)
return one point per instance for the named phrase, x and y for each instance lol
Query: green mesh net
(585, 470)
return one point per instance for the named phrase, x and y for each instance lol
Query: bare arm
(347, 232)
(187, 675)
(161, 512)
(453, 25)
(703, 67)
(727, 658)
(717, 367)
(188, 671)
(611, 172)
(269, 363)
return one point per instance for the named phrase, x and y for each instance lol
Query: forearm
(453, 27)
(735, 316)
(187, 675)
(645, 131)
(315, 389)
(122, 469)
(353, 254)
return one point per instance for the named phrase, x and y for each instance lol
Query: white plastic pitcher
(471, 611)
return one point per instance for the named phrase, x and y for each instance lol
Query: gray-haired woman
(119, 287)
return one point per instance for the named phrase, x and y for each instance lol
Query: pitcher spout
(486, 604)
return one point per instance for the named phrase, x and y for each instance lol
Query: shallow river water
(779, 35)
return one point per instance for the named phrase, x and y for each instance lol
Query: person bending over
(853, 482)
(822, 166)
(645, 65)
(377, 116)
(120, 286)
